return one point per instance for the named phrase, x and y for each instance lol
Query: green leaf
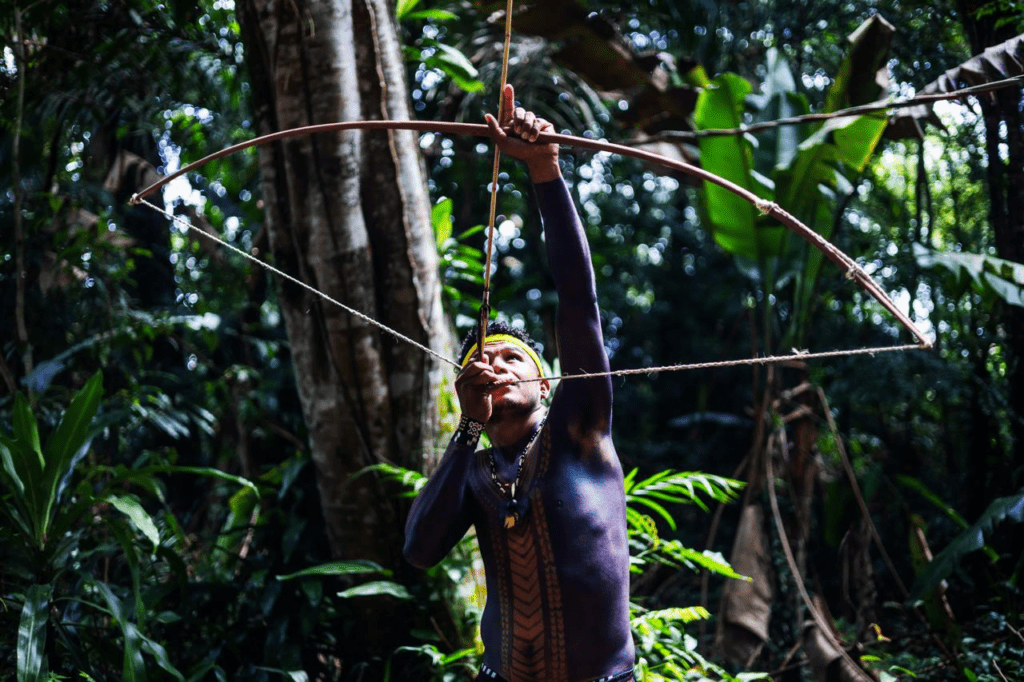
(951, 514)
(435, 14)
(411, 479)
(25, 475)
(809, 183)
(863, 74)
(993, 278)
(924, 491)
(139, 517)
(116, 608)
(242, 506)
(31, 655)
(16, 511)
(375, 588)
(809, 187)
(70, 436)
(134, 667)
(294, 675)
(688, 614)
(13, 480)
(733, 220)
(657, 508)
(131, 557)
(314, 591)
(441, 220)
(455, 65)
(25, 429)
(849, 140)
(902, 670)
(457, 655)
(970, 540)
(681, 487)
(451, 60)
(997, 62)
(466, 84)
(404, 7)
(135, 478)
(781, 100)
(708, 560)
(157, 651)
(204, 471)
(354, 567)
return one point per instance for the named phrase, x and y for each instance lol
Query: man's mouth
(500, 386)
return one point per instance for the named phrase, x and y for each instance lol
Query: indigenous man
(547, 498)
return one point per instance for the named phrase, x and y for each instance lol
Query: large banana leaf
(733, 220)
(865, 72)
(810, 189)
(807, 177)
(998, 62)
(777, 146)
(810, 185)
(993, 278)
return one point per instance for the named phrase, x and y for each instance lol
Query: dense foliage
(160, 514)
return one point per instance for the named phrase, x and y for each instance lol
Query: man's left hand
(517, 135)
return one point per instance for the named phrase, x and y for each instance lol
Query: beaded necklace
(509, 490)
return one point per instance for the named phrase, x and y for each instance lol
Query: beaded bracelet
(469, 431)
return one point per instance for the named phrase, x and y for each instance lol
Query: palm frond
(685, 614)
(680, 487)
(413, 481)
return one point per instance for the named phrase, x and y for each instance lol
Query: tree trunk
(1004, 143)
(348, 214)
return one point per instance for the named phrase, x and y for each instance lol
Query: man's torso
(558, 581)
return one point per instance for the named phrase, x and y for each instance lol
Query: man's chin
(510, 407)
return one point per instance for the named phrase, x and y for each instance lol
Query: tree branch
(687, 136)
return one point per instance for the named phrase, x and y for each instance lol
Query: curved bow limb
(837, 256)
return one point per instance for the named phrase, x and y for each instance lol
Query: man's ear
(545, 389)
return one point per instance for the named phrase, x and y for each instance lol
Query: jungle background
(205, 469)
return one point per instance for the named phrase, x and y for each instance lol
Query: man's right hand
(474, 386)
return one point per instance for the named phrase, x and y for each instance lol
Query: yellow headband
(505, 338)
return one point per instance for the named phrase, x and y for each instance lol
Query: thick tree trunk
(1004, 143)
(349, 215)
(1004, 126)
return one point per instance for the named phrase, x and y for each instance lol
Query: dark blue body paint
(558, 583)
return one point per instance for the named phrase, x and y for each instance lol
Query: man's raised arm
(580, 340)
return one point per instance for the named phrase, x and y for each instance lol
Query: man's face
(511, 363)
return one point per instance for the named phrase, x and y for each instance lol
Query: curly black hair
(497, 328)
